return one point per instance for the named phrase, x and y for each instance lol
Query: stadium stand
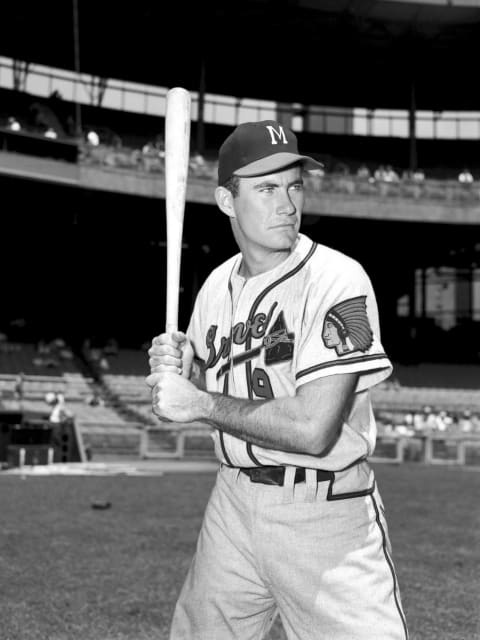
(452, 389)
(130, 147)
(103, 428)
(404, 399)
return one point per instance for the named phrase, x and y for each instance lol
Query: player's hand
(171, 352)
(175, 398)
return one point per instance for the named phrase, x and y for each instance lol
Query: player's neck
(256, 262)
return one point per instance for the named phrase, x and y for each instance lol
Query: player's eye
(298, 186)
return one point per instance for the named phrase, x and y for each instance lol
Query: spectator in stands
(379, 174)
(465, 177)
(363, 173)
(153, 155)
(13, 124)
(59, 411)
(414, 181)
(50, 133)
(475, 423)
(315, 178)
(18, 389)
(344, 182)
(148, 148)
(408, 424)
(93, 138)
(103, 364)
(465, 422)
(390, 174)
(198, 165)
(429, 419)
(418, 176)
(385, 176)
(44, 118)
(443, 421)
(418, 421)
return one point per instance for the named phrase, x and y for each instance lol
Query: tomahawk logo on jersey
(311, 319)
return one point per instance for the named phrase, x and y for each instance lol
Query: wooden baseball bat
(177, 152)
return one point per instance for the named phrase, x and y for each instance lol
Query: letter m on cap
(276, 136)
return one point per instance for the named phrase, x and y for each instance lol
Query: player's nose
(285, 204)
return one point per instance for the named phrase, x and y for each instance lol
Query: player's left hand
(175, 398)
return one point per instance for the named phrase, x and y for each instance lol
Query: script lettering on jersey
(255, 328)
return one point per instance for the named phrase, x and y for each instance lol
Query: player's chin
(285, 235)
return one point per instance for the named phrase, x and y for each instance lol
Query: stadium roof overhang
(325, 52)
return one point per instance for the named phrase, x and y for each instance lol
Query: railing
(330, 183)
(430, 449)
(439, 449)
(428, 189)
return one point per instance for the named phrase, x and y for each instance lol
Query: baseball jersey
(313, 315)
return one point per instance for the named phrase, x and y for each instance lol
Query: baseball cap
(257, 148)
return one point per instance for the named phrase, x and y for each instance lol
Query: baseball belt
(276, 475)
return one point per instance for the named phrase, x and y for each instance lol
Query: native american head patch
(346, 327)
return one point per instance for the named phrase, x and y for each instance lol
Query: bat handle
(171, 327)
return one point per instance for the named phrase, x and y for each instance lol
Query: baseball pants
(318, 556)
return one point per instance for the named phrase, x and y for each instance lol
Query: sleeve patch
(346, 327)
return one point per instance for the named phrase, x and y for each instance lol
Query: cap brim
(275, 162)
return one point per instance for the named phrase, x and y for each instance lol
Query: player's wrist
(206, 405)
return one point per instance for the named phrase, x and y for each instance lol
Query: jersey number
(261, 386)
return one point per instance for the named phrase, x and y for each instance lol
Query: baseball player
(281, 351)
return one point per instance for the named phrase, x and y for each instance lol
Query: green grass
(70, 572)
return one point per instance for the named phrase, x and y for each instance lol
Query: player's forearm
(281, 424)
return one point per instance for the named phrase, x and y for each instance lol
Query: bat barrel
(177, 153)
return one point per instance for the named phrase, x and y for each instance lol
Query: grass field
(71, 572)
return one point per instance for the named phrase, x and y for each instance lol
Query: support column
(200, 141)
(76, 53)
(412, 129)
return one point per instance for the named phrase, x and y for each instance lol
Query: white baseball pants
(323, 564)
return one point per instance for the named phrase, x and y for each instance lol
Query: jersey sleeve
(340, 331)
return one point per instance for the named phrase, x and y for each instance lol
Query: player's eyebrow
(270, 183)
(265, 183)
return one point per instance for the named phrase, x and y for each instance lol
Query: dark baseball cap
(257, 148)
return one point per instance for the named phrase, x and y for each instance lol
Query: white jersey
(313, 315)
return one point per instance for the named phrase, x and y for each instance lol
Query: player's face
(268, 210)
(330, 335)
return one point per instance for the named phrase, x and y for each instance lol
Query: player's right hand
(172, 352)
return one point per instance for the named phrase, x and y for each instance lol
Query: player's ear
(224, 199)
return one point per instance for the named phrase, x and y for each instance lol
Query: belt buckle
(267, 475)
